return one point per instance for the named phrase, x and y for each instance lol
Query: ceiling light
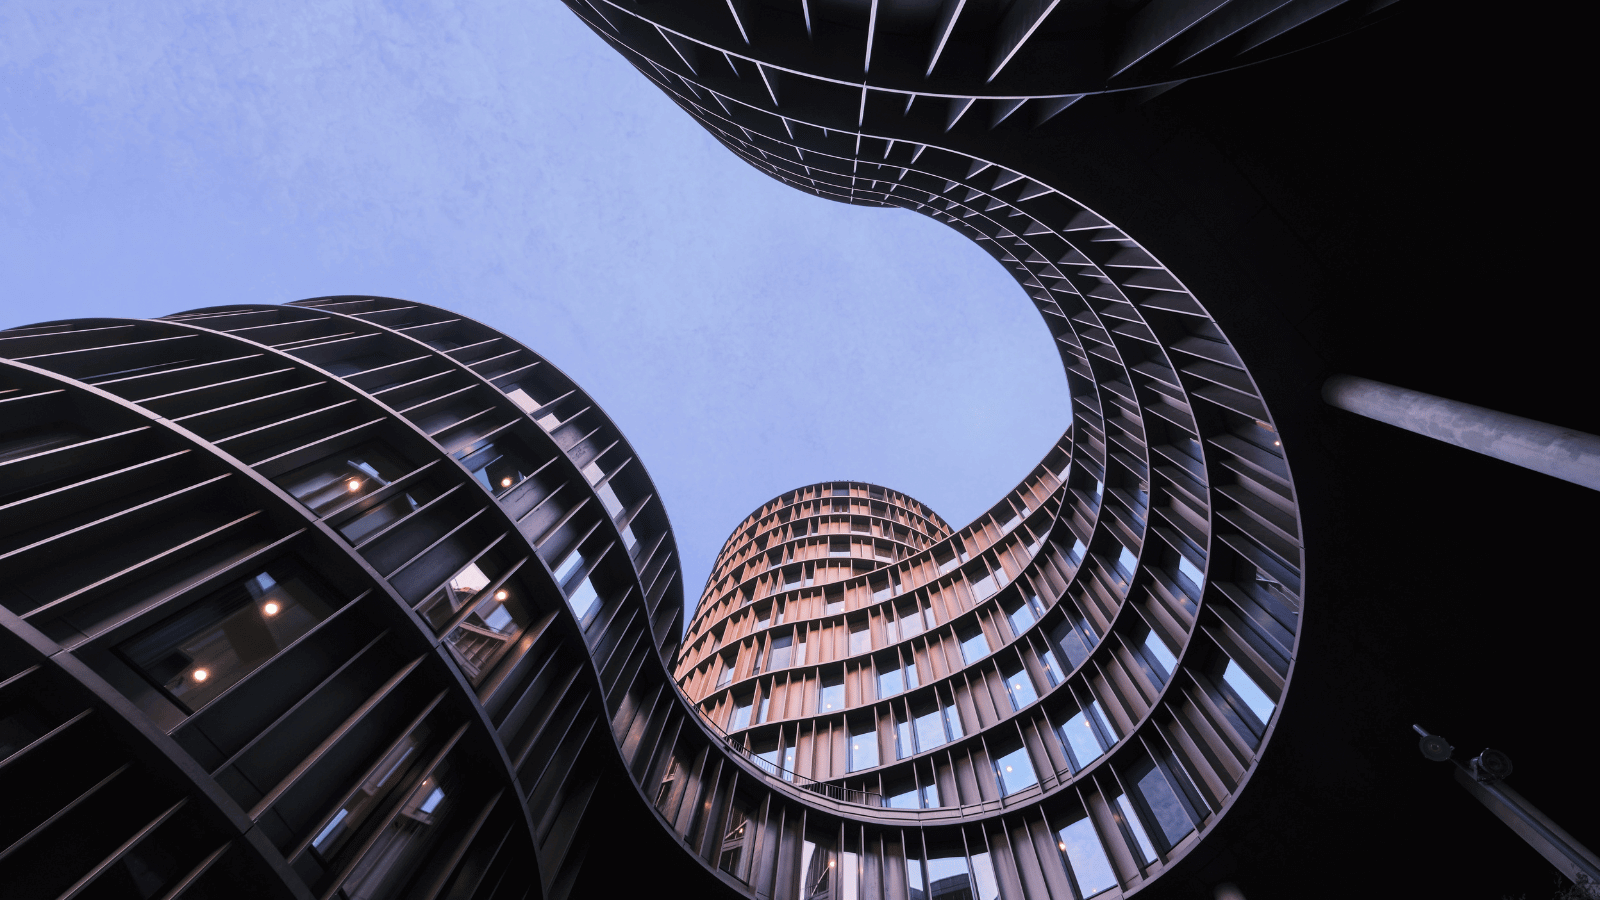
(271, 608)
(506, 481)
(200, 675)
(501, 595)
(353, 484)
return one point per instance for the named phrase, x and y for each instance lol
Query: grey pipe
(1560, 452)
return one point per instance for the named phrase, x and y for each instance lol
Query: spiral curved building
(358, 598)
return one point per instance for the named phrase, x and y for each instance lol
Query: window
(1255, 699)
(904, 796)
(732, 857)
(910, 617)
(974, 646)
(725, 677)
(1019, 687)
(986, 583)
(831, 694)
(911, 673)
(200, 652)
(1013, 771)
(952, 722)
(1052, 668)
(928, 723)
(984, 885)
(761, 710)
(816, 864)
(581, 595)
(740, 717)
(890, 682)
(1127, 563)
(1024, 612)
(948, 878)
(863, 737)
(1171, 812)
(838, 546)
(1158, 661)
(1141, 838)
(835, 604)
(779, 652)
(478, 641)
(499, 465)
(930, 795)
(1077, 551)
(860, 637)
(1191, 572)
(1074, 636)
(1086, 857)
(905, 744)
(330, 483)
(1083, 740)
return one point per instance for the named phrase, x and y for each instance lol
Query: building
(1317, 185)
(354, 597)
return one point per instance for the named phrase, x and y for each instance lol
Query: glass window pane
(906, 799)
(911, 674)
(1081, 739)
(832, 694)
(952, 722)
(583, 600)
(1052, 668)
(930, 730)
(1086, 857)
(740, 717)
(1164, 806)
(1019, 687)
(330, 483)
(930, 796)
(1158, 653)
(904, 744)
(1190, 571)
(984, 885)
(914, 883)
(974, 646)
(890, 683)
(816, 864)
(860, 638)
(1248, 691)
(1015, 772)
(948, 878)
(780, 652)
(203, 650)
(1140, 837)
(863, 746)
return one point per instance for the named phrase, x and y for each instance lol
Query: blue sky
(500, 160)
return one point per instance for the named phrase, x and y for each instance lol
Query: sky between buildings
(500, 160)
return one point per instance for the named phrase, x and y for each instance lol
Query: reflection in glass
(1019, 687)
(781, 650)
(206, 649)
(816, 865)
(985, 887)
(832, 694)
(404, 842)
(488, 631)
(974, 646)
(734, 838)
(499, 464)
(863, 746)
(948, 878)
(914, 882)
(330, 483)
(1014, 771)
(385, 777)
(1052, 668)
(1140, 837)
(890, 682)
(1083, 744)
(1086, 858)
(1250, 692)
(1163, 803)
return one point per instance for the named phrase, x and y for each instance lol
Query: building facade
(354, 597)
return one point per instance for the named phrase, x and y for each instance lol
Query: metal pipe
(1559, 452)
